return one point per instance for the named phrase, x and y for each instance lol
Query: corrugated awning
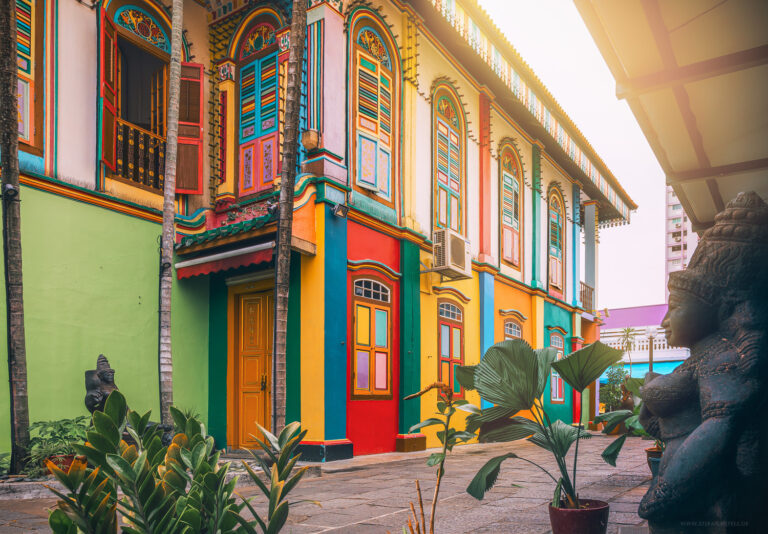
(224, 261)
(695, 75)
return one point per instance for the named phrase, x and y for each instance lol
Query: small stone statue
(711, 411)
(99, 383)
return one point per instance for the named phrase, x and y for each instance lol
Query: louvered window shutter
(189, 161)
(108, 91)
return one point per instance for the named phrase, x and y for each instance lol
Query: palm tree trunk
(165, 360)
(285, 213)
(14, 290)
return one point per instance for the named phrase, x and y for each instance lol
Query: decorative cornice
(440, 290)
(356, 265)
(513, 313)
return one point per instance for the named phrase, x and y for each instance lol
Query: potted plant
(512, 377)
(54, 440)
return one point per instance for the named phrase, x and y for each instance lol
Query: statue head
(728, 270)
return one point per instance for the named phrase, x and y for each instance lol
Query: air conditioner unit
(451, 254)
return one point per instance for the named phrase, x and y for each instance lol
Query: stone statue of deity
(99, 383)
(711, 411)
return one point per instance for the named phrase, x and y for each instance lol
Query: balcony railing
(140, 155)
(587, 295)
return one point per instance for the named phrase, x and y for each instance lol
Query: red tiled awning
(225, 260)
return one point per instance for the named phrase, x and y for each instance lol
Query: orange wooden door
(253, 354)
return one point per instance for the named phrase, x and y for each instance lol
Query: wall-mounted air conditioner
(451, 254)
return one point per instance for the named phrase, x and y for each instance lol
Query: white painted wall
(77, 94)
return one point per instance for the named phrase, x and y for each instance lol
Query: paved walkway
(372, 493)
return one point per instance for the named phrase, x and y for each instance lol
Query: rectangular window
(448, 171)
(371, 342)
(451, 344)
(374, 124)
(557, 385)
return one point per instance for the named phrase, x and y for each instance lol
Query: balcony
(140, 156)
(587, 295)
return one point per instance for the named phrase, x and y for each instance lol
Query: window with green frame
(449, 164)
(511, 199)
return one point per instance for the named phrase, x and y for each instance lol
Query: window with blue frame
(374, 111)
(258, 109)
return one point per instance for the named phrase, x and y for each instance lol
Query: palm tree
(165, 359)
(627, 339)
(285, 209)
(14, 289)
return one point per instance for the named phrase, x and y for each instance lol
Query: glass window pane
(381, 377)
(445, 372)
(456, 385)
(445, 341)
(381, 328)
(361, 381)
(363, 325)
(456, 343)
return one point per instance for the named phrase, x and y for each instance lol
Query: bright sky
(552, 38)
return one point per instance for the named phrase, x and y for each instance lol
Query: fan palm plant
(512, 377)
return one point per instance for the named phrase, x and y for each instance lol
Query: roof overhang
(695, 74)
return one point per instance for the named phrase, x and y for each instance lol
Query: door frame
(233, 294)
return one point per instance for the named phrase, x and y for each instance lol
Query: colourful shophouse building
(421, 126)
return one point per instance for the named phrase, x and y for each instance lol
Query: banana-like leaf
(435, 458)
(583, 367)
(612, 419)
(507, 375)
(511, 429)
(612, 451)
(633, 385)
(486, 476)
(561, 436)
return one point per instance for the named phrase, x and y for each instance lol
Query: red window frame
(447, 361)
(556, 382)
(373, 302)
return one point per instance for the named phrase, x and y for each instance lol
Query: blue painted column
(335, 244)
(576, 240)
(486, 281)
(536, 255)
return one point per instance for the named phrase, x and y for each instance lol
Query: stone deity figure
(711, 411)
(99, 383)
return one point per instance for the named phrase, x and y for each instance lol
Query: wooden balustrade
(140, 155)
(587, 295)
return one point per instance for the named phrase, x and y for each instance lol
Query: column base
(325, 451)
(410, 442)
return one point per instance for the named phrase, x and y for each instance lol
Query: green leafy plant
(449, 437)
(53, 438)
(512, 376)
(5, 463)
(610, 392)
(278, 465)
(179, 488)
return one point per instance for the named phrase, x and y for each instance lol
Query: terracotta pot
(62, 461)
(591, 518)
(652, 452)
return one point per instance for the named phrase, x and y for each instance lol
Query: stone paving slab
(371, 494)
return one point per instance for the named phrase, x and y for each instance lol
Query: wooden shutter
(189, 162)
(108, 91)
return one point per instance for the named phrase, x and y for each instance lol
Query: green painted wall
(217, 364)
(556, 316)
(293, 344)
(410, 336)
(91, 287)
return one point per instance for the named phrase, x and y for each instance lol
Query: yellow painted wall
(313, 335)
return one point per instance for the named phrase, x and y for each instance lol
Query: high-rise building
(680, 241)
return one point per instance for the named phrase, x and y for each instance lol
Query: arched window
(449, 141)
(374, 110)
(450, 333)
(556, 385)
(556, 239)
(512, 330)
(257, 112)
(30, 15)
(134, 55)
(511, 206)
(372, 343)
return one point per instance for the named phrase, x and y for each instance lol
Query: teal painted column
(536, 216)
(293, 344)
(576, 235)
(486, 281)
(217, 360)
(410, 336)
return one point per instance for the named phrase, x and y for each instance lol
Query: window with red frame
(450, 342)
(371, 347)
(556, 384)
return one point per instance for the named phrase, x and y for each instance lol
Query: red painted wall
(372, 424)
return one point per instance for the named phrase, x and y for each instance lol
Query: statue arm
(695, 463)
